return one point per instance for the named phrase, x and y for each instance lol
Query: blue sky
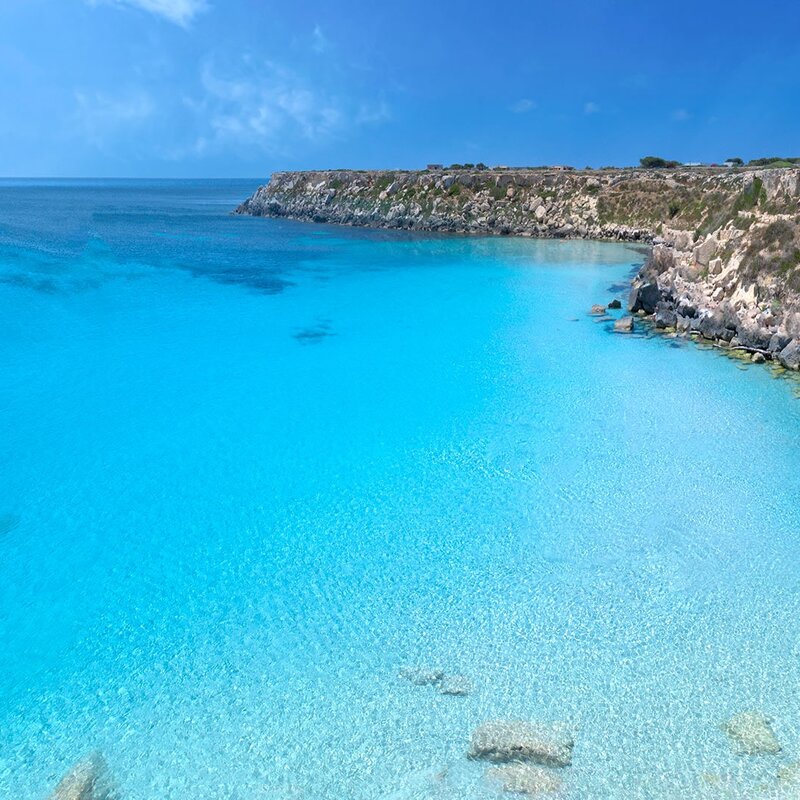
(194, 88)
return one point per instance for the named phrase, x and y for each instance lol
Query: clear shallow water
(252, 468)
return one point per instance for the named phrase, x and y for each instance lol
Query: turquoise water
(250, 469)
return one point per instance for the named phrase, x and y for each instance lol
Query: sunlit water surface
(252, 468)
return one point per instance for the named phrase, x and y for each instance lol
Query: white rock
(703, 253)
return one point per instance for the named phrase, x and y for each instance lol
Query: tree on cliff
(653, 162)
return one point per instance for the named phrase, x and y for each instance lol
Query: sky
(241, 88)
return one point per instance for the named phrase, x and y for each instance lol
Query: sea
(252, 471)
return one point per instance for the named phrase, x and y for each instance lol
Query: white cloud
(373, 113)
(591, 108)
(265, 105)
(680, 115)
(523, 105)
(181, 12)
(100, 115)
(319, 42)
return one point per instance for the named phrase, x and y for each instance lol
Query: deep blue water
(252, 468)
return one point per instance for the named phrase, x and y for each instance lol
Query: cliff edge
(725, 263)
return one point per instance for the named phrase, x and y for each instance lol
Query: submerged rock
(751, 734)
(515, 740)
(524, 779)
(457, 685)
(624, 325)
(598, 309)
(789, 774)
(422, 676)
(87, 780)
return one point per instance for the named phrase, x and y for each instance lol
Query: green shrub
(654, 162)
(750, 196)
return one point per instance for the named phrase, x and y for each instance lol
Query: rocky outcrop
(87, 780)
(725, 257)
(506, 741)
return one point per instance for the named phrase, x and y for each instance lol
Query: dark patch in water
(21, 281)
(257, 279)
(618, 287)
(7, 523)
(314, 334)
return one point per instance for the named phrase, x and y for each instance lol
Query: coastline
(724, 263)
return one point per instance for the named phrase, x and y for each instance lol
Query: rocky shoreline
(724, 262)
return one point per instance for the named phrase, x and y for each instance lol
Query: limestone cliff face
(727, 242)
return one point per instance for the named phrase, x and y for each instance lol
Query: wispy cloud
(264, 105)
(523, 105)
(181, 12)
(680, 115)
(591, 108)
(319, 42)
(100, 115)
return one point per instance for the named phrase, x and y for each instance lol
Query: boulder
(789, 357)
(753, 337)
(705, 251)
(87, 780)
(507, 741)
(597, 309)
(456, 685)
(758, 358)
(644, 297)
(716, 325)
(615, 304)
(524, 779)
(624, 325)
(751, 734)
(665, 316)
(422, 676)
(686, 308)
(715, 266)
(778, 342)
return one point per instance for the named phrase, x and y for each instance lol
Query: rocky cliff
(725, 263)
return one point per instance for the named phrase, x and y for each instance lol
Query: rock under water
(516, 740)
(87, 780)
(524, 779)
(751, 734)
